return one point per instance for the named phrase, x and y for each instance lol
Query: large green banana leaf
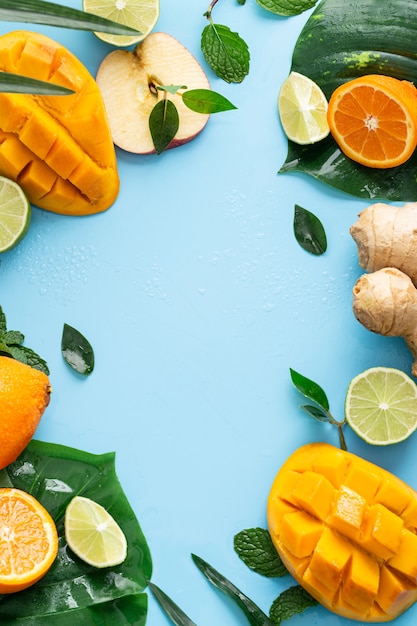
(341, 40)
(73, 592)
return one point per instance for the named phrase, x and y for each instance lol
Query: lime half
(15, 213)
(302, 108)
(93, 534)
(381, 405)
(139, 14)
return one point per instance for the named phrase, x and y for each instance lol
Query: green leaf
(77, 350)
(28, 356)
(292, 601)
(206, 101)
(254, 546)
(340, 41)
(14, 83)
(176, 615)
(226, 52)
(54, 474)
(317, 412)
(171, 88)
(13, 337)
(309, 231)
(10, 345)
(253, 613)
(52, 14)
(163, 124)
(287, 7)
(310, 389)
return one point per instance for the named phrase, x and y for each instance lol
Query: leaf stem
(207, 14)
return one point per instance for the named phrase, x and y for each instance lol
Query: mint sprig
(226, 52)
(11, 344)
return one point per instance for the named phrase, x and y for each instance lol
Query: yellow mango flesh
(346, 530)
(58, 148)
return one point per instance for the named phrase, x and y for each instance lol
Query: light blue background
(197, 300)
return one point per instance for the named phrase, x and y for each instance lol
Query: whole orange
(24, 396)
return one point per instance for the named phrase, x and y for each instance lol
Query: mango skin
(58, 148)
(346, 530)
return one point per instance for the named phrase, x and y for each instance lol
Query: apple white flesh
(127, 81)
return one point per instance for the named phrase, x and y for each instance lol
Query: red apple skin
(125, 79)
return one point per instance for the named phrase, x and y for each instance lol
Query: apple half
(128, 79)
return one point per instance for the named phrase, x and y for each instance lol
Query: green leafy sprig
(164, 119)
(226, 52)
(11, 344)
(320, 410)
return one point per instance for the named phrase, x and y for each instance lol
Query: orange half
(28, 540)
(373, 119)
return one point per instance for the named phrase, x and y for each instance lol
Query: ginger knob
(386, 236)
(385, 302)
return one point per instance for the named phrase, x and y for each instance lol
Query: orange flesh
(28, 540)
(349, 541)
(373, 120)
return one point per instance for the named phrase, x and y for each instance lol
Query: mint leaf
(292, 601)
(176, 615)
(253, 613)
(11, 345)
(163, 124)
(206, 101)
(226, 53)
(309, 231)
(286, 7)
(254, 546)
(28, 356)
(77, 350)
(310, 389)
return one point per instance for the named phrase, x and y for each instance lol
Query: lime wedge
(15, 213)
(381, 406)
(92, 533)
(302, 108)
(139, 14)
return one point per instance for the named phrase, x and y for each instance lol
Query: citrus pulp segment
(381, 405)
(93, 534)
(141, 15)
(302, 108)
(29, 540)
(373, 119)
(15, 214)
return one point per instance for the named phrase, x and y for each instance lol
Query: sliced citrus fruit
(15, 214)
(302, 108)
(373, 119)
(93, 534)
(28, 540)
(141, 15)
(381, 405)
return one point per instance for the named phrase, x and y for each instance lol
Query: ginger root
(385, 302)
(386, 236)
